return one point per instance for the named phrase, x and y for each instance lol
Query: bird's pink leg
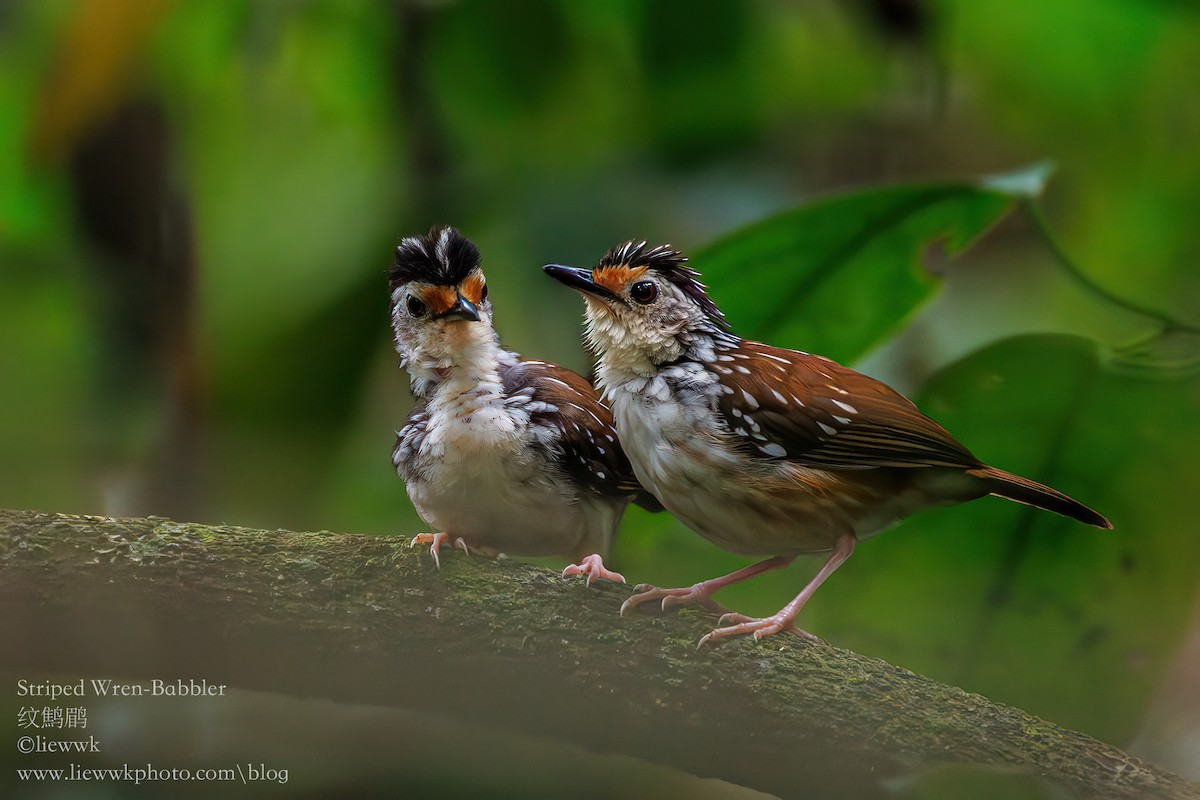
(593, 567)
(786, 616)
(701, 593)
(435, 542)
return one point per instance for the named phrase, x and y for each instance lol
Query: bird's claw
(675, 600)
(758, 628)
(696, 595)
(644, 593)
(593, 567)
(732, 617)
(435, 542)
(702, 599)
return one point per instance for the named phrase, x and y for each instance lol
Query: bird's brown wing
(575, 428)
(790, 406)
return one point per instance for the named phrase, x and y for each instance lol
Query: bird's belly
(474, 474)
(484, 482)
(753, 507)
(500, 504)
(751, 521)
(802, 511)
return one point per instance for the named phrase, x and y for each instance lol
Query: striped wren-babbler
(500, 453)
(761, 450)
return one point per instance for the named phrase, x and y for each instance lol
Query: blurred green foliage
(823, 257)
(1078, 602)
(303, 139)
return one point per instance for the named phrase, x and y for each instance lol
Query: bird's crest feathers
(442, 257)
(669, 263)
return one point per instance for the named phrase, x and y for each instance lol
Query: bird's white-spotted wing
(791, 406)
(575, 428)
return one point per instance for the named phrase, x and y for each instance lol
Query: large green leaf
(838, 275)
(1024, 606)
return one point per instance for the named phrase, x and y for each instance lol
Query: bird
(500, 453)
(761, 450)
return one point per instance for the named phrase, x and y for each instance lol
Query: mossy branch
(368, 619)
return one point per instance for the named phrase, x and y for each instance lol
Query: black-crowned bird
(500, 453)
(761, 450)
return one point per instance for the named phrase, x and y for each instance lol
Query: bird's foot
(593, 567)
(696, 595)
(435, 542)
(737, 624)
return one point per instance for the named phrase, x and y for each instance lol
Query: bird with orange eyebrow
(500, 453)
(761, 450)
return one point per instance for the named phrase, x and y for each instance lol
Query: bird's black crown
(442, 257)
(672, 265)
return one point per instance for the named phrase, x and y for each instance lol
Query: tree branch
(368, 619)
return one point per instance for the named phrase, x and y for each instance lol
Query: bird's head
(441, 315)
(644, 305)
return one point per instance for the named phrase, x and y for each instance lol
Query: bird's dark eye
(483, 293)
(415, 307)
(643, 292)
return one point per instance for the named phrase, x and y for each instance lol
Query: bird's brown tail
(1023, 490)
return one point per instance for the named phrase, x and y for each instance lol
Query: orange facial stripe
(472, 288)
(615, 279)
(440, 299)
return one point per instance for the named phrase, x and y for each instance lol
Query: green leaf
(839, 275)
(1026, 607)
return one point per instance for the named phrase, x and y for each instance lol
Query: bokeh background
(198, 203)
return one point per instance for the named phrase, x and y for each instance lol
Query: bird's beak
(579, 280)
(462, 309)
